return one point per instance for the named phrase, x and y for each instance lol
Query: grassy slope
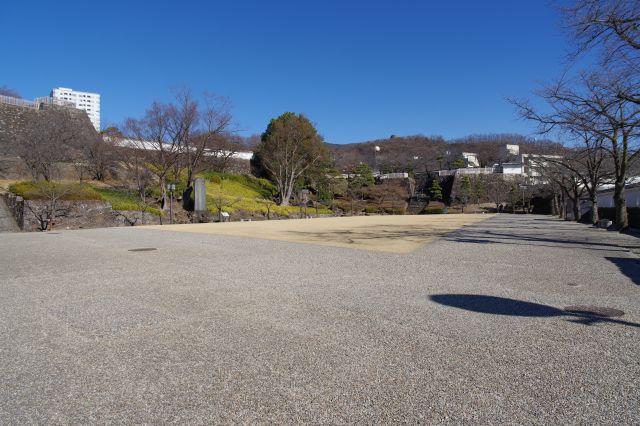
(119, 199)
(240, 193)
(243, 193)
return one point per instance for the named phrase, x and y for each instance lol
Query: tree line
(595, 110)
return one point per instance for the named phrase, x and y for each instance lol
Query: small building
(511, 169)
(509, 152)
(631, 191)
(471, 159)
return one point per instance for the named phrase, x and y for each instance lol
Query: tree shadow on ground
(511, 307)
(628, 266)
(388, 232)
(490, 236)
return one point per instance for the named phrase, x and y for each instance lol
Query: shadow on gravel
(629, 267)
(511, 307)
(560, 240)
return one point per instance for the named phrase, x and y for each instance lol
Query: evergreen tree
(435, 190)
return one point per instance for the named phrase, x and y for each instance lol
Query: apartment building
(86, 101)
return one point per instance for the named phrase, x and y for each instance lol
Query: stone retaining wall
(74, 214)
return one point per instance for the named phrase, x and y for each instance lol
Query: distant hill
(420, 153)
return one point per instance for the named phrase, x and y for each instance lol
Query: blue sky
(358, 69)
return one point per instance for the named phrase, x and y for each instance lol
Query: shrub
(434, 210)
(394, 211)
(125, 200)
(43, 190)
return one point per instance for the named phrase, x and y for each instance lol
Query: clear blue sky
(359, 69)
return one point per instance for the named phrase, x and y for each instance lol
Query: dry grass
(396, 234)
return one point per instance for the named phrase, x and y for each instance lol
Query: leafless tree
(268, 204)
(610, 26)
(591, 106)
(184, 135)
(131, 218)
(45, 205)
(155, 137)
(565, 174)
(222, 201)
(588, 161)
(100, 158)
(497, 188)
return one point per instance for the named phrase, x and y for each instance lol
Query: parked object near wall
(604, 223)
(633, 213)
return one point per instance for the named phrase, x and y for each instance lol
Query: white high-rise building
(89, 102)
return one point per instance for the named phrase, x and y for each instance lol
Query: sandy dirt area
(396, 234)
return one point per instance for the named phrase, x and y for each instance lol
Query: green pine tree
(435, 190)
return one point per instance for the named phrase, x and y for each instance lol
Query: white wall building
(631, 192)
(471, 159)
(511, 168)
(508, 152)
(86, 101)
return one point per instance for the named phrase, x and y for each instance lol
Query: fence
(36, 103)
(469, 171)
(10, 100)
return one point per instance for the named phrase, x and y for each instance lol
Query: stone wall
(15, 204)
(74, 214)
(16, 122)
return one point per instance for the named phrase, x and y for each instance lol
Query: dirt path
(7, 222)
(396, 234)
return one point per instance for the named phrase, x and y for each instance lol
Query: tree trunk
(620, 201)
(594, 209)
(187, 203)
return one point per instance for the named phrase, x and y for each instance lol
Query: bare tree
(45, 203)
(497, 188)
(564, 173)
(182, 136)
(592, 107)
(268, 204)
(610, 26)
(156, 138)
(222, 201)
(100, 158)
(588, 161)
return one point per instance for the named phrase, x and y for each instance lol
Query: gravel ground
(223, 329)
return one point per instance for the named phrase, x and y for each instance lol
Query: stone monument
(200, 194)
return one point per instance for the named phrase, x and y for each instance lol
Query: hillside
(426, 153)
(246, 197)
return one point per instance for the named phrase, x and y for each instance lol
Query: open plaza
(512, 319)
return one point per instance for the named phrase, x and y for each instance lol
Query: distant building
(511, 169)
(509, 152)
(86, 101)
(471, 159)
(631, 193)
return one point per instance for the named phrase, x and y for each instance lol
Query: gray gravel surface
(213, 329)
